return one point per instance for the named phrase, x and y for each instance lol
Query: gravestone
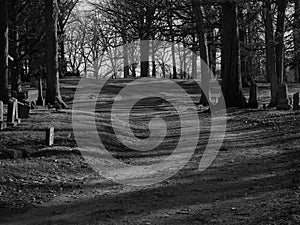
(253, 103)
(12, 111)
(283, 101)
(50, 136)
(2, 123)
(40, 101)
(296, 101)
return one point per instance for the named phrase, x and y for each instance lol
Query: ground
(254, 179)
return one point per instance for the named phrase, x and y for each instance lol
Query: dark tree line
(26, 47)
(239, 40)
(247, 35)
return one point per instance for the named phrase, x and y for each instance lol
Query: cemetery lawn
(255, 178)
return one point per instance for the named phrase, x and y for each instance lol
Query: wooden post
(50, 136)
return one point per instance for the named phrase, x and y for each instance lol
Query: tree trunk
(184, 63)
(133, 62)
(163, 70)
(205, 74)
(244, 63)
(4, 52)
(51, 14)
(63, 63)
(279, 39)
(174, 66)
(31, 67)
(270, 54)
(145, 52)
(125, 55)
(194, 65)
(250, 65)
(16, 83)
(231, 76)
(194, 60)
(172, 37)
(212, 49)
(297, 40)
(180, 58)
(153, 57)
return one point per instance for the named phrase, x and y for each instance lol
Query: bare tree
(65, 10)
(96, 41)
(75, 40)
